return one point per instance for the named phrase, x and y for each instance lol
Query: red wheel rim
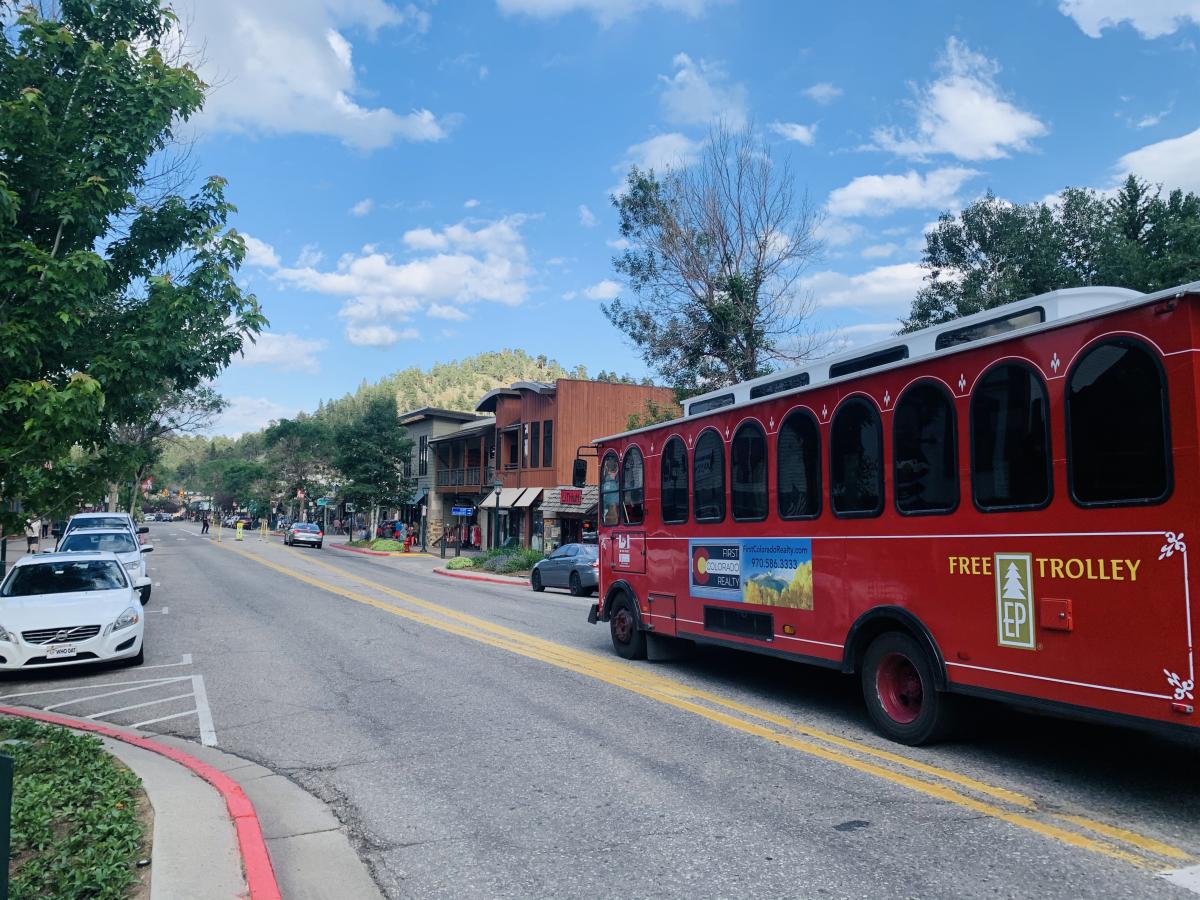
(898, 684)
(623, 625)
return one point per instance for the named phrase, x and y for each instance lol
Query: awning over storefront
(508, 496)
(528, 498)
(553, 504)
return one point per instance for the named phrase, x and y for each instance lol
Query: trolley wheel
(576, 586)
(899, 687)
(628, 640)
(535, 581)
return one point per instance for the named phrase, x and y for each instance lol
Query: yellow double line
(933, 781)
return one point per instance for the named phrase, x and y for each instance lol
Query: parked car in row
(121, 544)
(308, 533)
(61, 609)
(573, 566)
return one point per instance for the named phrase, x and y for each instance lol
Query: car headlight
(127, 619)
(5, 636)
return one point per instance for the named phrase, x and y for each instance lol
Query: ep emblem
(1014, 600)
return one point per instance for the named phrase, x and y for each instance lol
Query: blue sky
(422, 181)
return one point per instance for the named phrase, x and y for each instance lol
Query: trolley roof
(1017, 319)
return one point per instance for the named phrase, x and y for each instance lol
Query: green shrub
(461, 562)
(386, 544)
(521, 561)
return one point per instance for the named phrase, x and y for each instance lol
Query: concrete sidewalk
(196, 853)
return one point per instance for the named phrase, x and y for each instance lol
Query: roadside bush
(520, 561)
(494, 563)
(386, 544)
(460, 562)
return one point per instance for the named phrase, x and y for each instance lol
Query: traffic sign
(349, 507)
(322, 501)
(462, 511)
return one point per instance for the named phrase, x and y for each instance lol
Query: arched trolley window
(748, 473)
(674, 477)
(925, 451)
(708, 477)
(633, 487)
(1010, 440)
(1118, 431)
(798, 467)
(856, 460)
(610, 490)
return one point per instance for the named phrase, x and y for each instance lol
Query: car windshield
(64, 577)
(589, 550)
(305, 526)
(100, 522)
(116, 543)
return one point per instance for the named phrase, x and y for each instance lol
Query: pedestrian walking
(204, 524)
(33, 534)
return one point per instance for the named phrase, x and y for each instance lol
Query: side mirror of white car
(148, 549)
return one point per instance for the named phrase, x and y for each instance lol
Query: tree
(297, 451)
(369, 454)
(717, 252)
(106, 291)
(995, 252)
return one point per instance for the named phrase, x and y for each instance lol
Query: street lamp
(498, 486)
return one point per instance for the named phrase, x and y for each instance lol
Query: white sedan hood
(64, 610)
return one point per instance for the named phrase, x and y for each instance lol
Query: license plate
(60, 651)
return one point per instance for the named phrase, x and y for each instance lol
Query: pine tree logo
(1014, 600)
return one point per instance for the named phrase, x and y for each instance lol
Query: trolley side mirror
(579, 473)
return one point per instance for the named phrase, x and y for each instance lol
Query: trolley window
(856, 460)
(610, 490)
(925, 454)
(633, 487)
(798, 467)
(674, 482)
(748, 473)
(1126, 461)
(1010, 440)
(708, 477)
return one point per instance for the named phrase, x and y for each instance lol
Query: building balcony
(458, 477)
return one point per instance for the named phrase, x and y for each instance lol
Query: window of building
(798, 467)
(610, 490)
(925, 451)
(525, 446)
(856, 460)
(1118, 434)
(423, 455)
(708, 477)
(674, 482)
(535, 449)
(548, 442)
(748, 473)
(633, 487)
(1010, 439)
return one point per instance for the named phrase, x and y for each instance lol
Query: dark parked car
(573, 566)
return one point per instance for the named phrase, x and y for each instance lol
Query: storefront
(460, 522)
(569, 516)
(516, 508)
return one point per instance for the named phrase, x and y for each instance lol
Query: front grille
(42, 661)
(69, 634)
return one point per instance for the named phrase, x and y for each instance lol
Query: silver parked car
(573, 566)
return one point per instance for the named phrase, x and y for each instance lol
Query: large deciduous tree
(995, 252)
(108, 289)
(716, 253)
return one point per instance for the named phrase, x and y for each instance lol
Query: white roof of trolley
(999, 323)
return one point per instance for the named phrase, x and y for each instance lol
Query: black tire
(899, 687)
(318, 545)
(145, 592)
(535, 581)
(576, 586)
(139, 659)
(628, 639)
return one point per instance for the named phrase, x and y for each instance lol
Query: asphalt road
(482, 741)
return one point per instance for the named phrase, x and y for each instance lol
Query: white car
(59, 609)
(104, 520)
(117, 541)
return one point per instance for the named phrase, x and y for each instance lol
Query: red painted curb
(256, 862)
(346, 549)
(516, 582)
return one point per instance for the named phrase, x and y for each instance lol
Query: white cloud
(963, 114)
(286, 66)
(260, 253)
(471, 204)
(586, 217)
(1175, 163)
(857, 335)
(570, 295)
(1151, 119)
(823, 92)
(880, 251)
(443, 311)
(455, 266)
(603, 290)
(619, 243)
(886, 286)
(1151, 18)
(661, 152)
(248, 414)
(289, 352)
(699, 94)
(794, 131)
(878, 195)
(362, 207)
(836, 233)
(604, 11)
(310, 255)
(379, 335)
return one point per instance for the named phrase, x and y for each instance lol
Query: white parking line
(79, 687)
(189, 712)
(130, 690)
(208, 734)
(187, 661)
(1188, 878)
(109, 712)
